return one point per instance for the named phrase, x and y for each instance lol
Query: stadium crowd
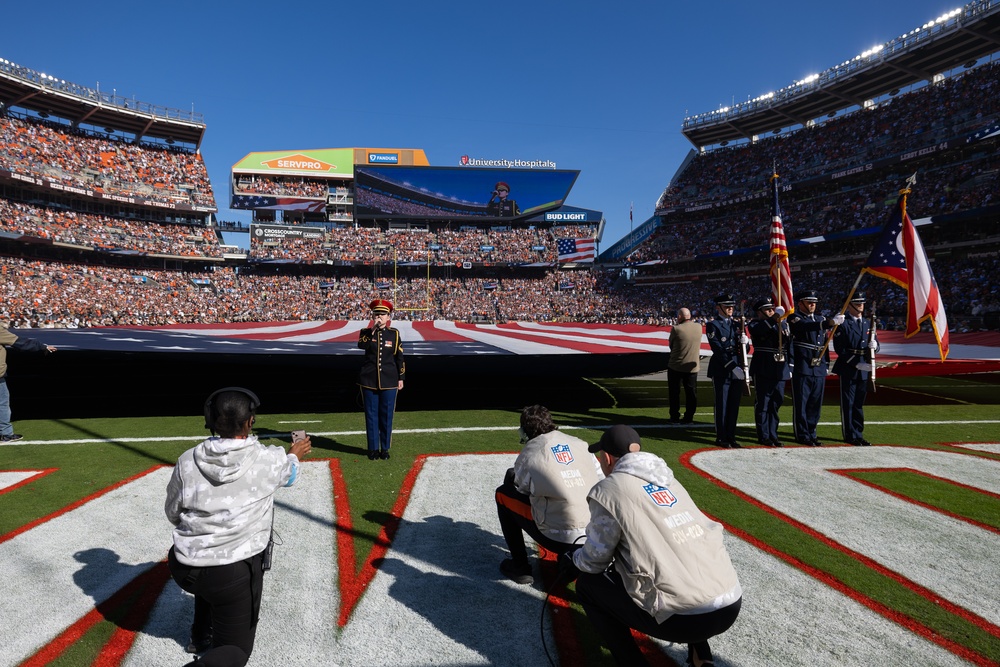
(50, 294)
(944, 111)
(717, 204)
(103, 163)
(295, 187)
(494, 245)
(110, 233)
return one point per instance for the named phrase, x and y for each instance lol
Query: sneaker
(11, 438)
(517, 574)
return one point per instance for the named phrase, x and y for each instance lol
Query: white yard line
(194, 439)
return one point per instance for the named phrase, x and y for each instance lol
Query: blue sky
(593, 86)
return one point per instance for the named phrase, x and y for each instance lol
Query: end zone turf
(436, 596)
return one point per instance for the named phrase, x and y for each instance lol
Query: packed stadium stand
(107, 212)
(840, 175)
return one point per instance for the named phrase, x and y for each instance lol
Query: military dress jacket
(724, 339)
(766, 344)
(383, 366)
(808, 338)
(850, 342)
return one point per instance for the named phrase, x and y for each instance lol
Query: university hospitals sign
(467, 161)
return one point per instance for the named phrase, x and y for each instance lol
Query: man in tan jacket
(652, 560)
(8, 339)
(683, 367)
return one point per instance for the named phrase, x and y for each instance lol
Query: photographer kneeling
(220, 499)
(545, 493)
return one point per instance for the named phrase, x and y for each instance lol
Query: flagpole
(781, 343)
(843, 309)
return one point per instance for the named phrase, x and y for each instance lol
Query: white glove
(864, 366)
(872, 344)
(744, 340)
(779, 311)
(838, 319)
(739, 373)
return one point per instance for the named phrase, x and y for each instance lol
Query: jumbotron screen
(457, 192)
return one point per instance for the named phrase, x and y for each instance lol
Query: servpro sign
(318, 162)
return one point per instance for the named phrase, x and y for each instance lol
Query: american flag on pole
(781, 275)
(576, 250)
(900, 258)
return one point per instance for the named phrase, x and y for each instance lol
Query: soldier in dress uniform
(725, 335)
(851, 343)
(809, 367)
(769, 369)
(381, 377)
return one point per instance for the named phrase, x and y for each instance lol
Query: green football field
(85, 456)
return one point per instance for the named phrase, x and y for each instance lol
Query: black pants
(226, 605)
(614, 614)
(514, 512)
(676, 380)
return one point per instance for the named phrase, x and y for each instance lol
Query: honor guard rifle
(744, 357)
(869, 350)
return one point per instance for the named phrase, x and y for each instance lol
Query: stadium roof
(954, 40)
(48, 96)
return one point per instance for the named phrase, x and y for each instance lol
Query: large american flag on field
(267, 202)
(781, 275)
(899, 257)
(576, 250)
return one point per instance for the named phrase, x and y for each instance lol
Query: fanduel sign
(383, 158)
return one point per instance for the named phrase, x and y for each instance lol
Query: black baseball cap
(617, 441)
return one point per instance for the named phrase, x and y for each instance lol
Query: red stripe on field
(548, 339)
(612, 334)
(353, 583)
(908, 622)
(121, 641)
(320, 328)
(150, 582)
(27, 480)
(431, 333)
(72, 506)
(849, 472)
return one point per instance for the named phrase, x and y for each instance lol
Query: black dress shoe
(687, 420)
(200, 645)
(776, 443)
(722, 443)
(816, 443)
(384, 455)
(858, 442)
(864, 443)
(735, 445)
(372, 455)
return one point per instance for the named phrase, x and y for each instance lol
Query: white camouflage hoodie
(670, 555)
(220, 499)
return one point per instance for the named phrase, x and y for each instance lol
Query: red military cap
(501, 184)
(381, 306)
